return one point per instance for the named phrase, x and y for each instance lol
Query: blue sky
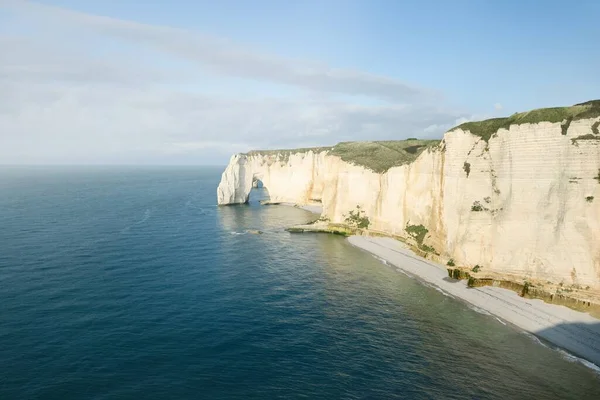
(192, 82)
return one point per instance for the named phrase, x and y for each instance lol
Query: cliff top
(378, 156)
(485, 129)
(285, 153)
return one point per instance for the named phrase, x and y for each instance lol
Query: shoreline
(574, 331)
(312, 209)
(315, 209)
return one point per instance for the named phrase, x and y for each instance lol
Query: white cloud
(62, 102)
(498, 106)
(224, 57)
(57, 122)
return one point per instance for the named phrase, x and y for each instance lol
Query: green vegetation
(485, 129)
(418, 232)
(589, 199)
(457, 273)
(428, 249)
(382, 155)
(450, 263)
(378, 156)
(564, 127)
(357, 218)
(589, 136)
(476, 268)
(477, 206)
(467, 168)
(595, 128)
(592, 111)
(336, 229)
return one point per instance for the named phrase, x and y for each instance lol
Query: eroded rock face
(236, 182)
(524, 204)
(298, 179)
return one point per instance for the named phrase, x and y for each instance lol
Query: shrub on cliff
(467, 168)
(477, 206)
(595, 129)
(357, 218)
(418, 232)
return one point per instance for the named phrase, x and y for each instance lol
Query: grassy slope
(382, 155)
(485, 129)
(377, 156)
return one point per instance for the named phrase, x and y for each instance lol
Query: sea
(130, 283)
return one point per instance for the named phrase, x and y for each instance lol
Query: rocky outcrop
(523, 202)
(296, 178)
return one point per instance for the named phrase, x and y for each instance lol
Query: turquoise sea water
(129, 283)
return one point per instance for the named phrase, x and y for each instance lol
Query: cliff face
(524, 203)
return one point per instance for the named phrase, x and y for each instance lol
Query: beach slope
(576, 332)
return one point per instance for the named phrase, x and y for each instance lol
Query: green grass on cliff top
(485, 129)
(382, 155)
(378, 156)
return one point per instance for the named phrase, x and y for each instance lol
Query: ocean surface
(129, 283)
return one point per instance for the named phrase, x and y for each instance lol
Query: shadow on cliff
(578, 339)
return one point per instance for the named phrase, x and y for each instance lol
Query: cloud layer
(153, 94)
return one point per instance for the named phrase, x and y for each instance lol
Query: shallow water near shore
(129, 282)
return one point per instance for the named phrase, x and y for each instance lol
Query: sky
(192, 82)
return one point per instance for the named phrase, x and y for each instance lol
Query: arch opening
(258, 193)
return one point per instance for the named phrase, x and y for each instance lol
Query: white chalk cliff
(526, 203)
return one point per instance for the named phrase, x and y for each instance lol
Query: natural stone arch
(258, 184)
